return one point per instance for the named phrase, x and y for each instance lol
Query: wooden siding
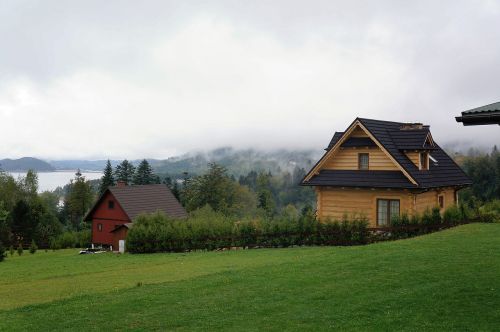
(414, 157)
(337, 202)
(108, 218)
(429, 199)
(347, 159)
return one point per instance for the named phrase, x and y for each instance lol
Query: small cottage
(382, 169)
(113, 213)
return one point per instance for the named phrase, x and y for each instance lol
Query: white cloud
(212, 81)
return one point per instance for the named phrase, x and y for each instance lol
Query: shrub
(20, 249)
(11, 250)
(490, 212)
(71, 239)
(427, 217)
(453, 215)
(436, 216)
(2, 252)
(33, 247)
(208, 230)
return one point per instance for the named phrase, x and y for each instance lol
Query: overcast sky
(133, 79)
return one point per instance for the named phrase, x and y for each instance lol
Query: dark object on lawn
(91, 251)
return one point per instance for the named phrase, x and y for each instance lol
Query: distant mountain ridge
(24, 164)
(238, 162)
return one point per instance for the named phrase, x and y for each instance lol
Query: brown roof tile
(148, 199)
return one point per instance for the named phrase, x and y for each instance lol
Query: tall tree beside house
(78, 200)
(107, 179)
(144, 174)
(125, 172)
(265, 198)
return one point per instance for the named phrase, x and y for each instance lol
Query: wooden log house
(380, 169)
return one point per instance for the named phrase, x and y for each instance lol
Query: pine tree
(78, 199)
(2, 252)
(107, 179)
(144, 174)
(125, 172)
(33, 247)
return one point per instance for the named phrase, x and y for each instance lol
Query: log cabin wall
(334, 203)
(414, 157)
(347, 159)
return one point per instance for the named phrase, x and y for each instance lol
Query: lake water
(52, 180)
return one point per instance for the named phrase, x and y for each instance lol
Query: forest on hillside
(55, 218)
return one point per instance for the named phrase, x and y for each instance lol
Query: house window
(111, 204)
(424, 161)
(441, 201)
(386, 210)
(363, 161)
(99, 227)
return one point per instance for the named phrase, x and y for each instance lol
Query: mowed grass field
(443, 281)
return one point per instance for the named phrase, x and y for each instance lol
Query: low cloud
(218, 77)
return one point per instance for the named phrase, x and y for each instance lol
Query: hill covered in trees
(25, 164)
(238, 162)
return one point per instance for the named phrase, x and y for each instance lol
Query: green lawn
(444, 281)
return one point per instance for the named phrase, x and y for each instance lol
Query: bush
(70, 239)
(2, 252)
(490, 212)
(453, 215)
(20, 249)
(33, 247)
(208, 230)
(11, 250)
(436, 216)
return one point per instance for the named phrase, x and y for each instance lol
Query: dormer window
(363, 161)
(424, 161)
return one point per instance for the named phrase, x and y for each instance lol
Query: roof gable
(341, 139)
(390, 137)
(135, 200)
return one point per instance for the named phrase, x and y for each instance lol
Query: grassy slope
(447, 280)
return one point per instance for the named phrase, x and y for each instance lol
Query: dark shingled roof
(370, 179)
(443, 172)
(335, 138)
(358, 142)
(145, 199)
(411, 139)
(484, 115)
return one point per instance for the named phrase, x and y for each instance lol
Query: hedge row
(209, 230)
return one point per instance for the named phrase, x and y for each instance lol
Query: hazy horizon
(91, 80)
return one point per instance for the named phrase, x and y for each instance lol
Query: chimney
(412, 126)
(121, 183)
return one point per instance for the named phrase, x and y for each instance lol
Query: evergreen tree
(107, 179)
(33, 247)
(144, 174)
(125, 172)
(78, 200)
(2, 252)
(265, 198)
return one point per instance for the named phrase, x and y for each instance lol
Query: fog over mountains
(237, 161)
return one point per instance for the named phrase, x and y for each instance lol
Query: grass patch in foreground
(446, 280)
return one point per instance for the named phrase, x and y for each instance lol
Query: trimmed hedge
(81, 239)
(209, 230)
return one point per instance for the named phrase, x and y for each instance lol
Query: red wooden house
(113, 213)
